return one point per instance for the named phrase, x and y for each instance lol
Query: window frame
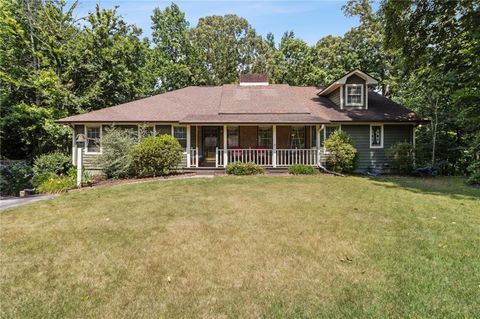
(86, 127)
(186, 135)
(362, 94)
(229, 129)
(270, 138)
(381, 135)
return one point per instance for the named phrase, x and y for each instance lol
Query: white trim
(366, 96)
(362, 94)
(85, 126)
(253, 83)
(188, 146)
(343, 80)
(225, 144)
(341, 97)
(381, 136)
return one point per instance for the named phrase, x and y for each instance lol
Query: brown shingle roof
(278, 103)
(253, 78)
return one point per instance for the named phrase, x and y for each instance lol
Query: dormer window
(354, 94)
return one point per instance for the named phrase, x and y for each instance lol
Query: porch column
(274, 152)
(225, 142)
(317, 128)
(74, 147)
(188, 145)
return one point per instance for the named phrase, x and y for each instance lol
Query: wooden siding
(334, 96)
(375, 157)
(355, 79)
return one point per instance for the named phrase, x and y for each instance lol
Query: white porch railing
(192, 157)
(270, 157)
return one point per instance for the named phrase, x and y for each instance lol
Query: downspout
(323, 168)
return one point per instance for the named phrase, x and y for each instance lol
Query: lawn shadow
(453, 187)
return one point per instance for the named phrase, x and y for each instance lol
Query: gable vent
(253, 79)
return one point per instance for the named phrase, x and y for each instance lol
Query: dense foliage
(401, 157)
(342, 154)
(58, 183)
(14, 177)
(300, 169)
(48, 165)
(115, 159)
(424, 53)
(240, 168)
(156, 156)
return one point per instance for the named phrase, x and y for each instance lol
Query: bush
(156, 156)
(115, 159)
(47, 165)
(59, 183)
(240, 168)
(14, 177)
(300, 169)
(343, 154)
(401, 157)
(474, 173)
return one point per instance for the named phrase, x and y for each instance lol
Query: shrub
(401, 157)
(14, 177)
(59, 183)
(343, 154)
(300, 169)
(156, 156)
(115, 159)
(47, 165)
(240, 168)
(474, 173)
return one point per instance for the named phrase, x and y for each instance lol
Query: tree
(226, 46)
(171, 61)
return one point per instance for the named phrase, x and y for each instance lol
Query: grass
(247, 247)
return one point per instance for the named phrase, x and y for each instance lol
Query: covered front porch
(266, 145)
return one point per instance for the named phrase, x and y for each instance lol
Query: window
(265, 137)
(298, 137)
(376, 136)
(313, 136)
(193, 136)
(180, 133)
(354, 94)
(93, 139)
(163, 129)
(233, 136)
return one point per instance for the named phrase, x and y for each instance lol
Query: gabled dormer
(350, 91)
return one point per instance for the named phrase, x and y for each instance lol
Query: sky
(310, 20)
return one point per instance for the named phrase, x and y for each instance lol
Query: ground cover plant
(247, 247)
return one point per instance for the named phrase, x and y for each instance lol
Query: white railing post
(196, 156)
(274, 152)
(216, 157)
(225, 143)
(318, 143)
(188, 147)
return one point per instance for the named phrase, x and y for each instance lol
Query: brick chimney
(253, 79)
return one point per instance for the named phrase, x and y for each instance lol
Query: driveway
(17, 201)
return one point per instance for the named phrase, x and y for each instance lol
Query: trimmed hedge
(115, 160)
(156, 156)
(240, 168)
(300, 169)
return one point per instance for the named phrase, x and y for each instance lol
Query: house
(274, 125)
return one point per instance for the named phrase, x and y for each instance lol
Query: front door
(211, 140)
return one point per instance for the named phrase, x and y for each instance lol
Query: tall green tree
(226, 46)
(171, 62)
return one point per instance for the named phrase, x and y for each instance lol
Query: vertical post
(196, 156)
(317, 132)
(188, 146)
(225, 142)
(79, 166)
(74, 148)
(216, 157)
(274, 154)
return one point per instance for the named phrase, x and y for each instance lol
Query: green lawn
(272, 247)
